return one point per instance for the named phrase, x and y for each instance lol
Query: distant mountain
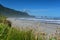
(12, 13)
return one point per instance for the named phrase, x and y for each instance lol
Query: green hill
(12, 13)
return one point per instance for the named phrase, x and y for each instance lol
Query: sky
(35, 7)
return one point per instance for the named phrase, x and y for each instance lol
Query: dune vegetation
(7, 32)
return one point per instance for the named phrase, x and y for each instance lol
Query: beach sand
(38, 26)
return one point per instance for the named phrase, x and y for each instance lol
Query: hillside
(12, 13)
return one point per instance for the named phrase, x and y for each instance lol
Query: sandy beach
(38, 26)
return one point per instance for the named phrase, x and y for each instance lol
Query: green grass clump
(15, 34)
(11, 33)
(3, 31)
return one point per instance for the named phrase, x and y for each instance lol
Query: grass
(15, 34)
(11, 33)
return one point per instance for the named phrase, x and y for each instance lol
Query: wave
(51, 21)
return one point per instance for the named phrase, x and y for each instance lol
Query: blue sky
(35, 7)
